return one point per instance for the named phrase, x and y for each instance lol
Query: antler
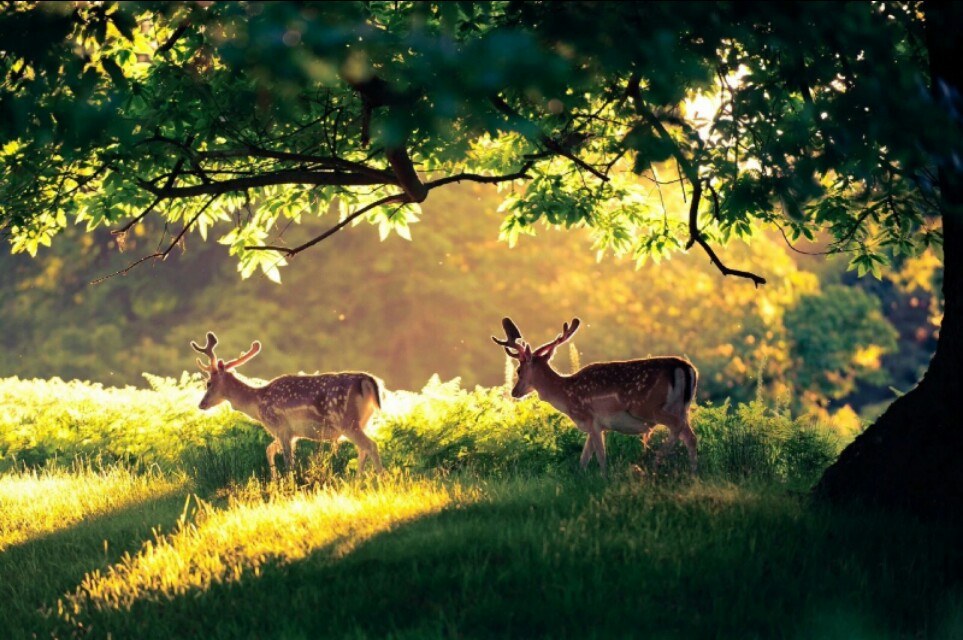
(244, 357)
(207, 350)
(567, 333)
(514, 346)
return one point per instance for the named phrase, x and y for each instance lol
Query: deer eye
(208, 384)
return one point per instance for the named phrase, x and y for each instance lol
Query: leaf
(650, 147)
(125, 23)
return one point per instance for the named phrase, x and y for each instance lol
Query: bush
(443, 428)
(756, 442)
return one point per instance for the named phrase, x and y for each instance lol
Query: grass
(58, 525)
(554, 555)
(482, 527)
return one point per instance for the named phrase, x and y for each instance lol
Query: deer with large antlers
(294, 407)
(629, 397)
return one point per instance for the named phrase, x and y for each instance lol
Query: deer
(294, 407)
(631, 396)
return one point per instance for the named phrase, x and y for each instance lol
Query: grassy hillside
(482, 527)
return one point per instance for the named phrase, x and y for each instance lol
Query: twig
(162, 255)
(289, 176)
(174, 37)
(550, 143)
(291, 251)
(400, 198)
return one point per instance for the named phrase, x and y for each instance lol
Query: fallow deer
(628, 396)
(294, 407)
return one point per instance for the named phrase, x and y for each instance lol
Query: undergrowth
(441, 429)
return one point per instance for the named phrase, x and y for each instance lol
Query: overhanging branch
(397, 198)
(554, 146)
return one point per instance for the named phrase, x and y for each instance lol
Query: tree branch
(289, 251)
(474, 177)
(161, 255)
(405, 175)
(400, 198)
(695, 236)
(174, 37)
(548, 142)
(304, 158)
(289, 176)
(170, 182)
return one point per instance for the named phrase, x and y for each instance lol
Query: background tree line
(819, 337)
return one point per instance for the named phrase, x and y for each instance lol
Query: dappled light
(218, 546)
(36, 503)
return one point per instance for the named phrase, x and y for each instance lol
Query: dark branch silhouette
(692, 175)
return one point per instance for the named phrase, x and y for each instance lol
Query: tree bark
(912, 457)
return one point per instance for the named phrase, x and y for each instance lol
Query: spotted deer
(630, 396)
(294, 407)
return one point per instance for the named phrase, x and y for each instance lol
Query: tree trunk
(912, 457)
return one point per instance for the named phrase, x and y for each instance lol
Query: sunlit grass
(34, 503)
(226, 545)
(521, 556)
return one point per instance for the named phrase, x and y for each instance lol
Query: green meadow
(128, 513)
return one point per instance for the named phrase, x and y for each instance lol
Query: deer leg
(667, 447)
(679, 429)
(273, 450)
(287, 448)
(366, 447)
(587, 452)
(596, 443)
(688, 437)
(600, 453)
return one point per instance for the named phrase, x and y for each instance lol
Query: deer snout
(206, 402)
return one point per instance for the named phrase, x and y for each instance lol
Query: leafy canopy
(243, 117)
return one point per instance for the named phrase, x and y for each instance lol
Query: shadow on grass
(605, 561)
(34, 573)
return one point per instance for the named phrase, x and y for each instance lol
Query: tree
(801, 117)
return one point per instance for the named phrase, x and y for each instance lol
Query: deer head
(219, 376)
(531, 363)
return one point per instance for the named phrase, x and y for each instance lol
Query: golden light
(35, 504)
(223, 546)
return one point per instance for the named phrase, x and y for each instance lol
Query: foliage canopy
(245, 116)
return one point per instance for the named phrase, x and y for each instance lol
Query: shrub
(443, 428)
(755, 442)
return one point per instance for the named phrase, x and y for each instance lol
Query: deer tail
(681, 389)
(691, 380)
(370, 389)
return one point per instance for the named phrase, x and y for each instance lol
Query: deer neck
(551, 386)
(243, 397)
